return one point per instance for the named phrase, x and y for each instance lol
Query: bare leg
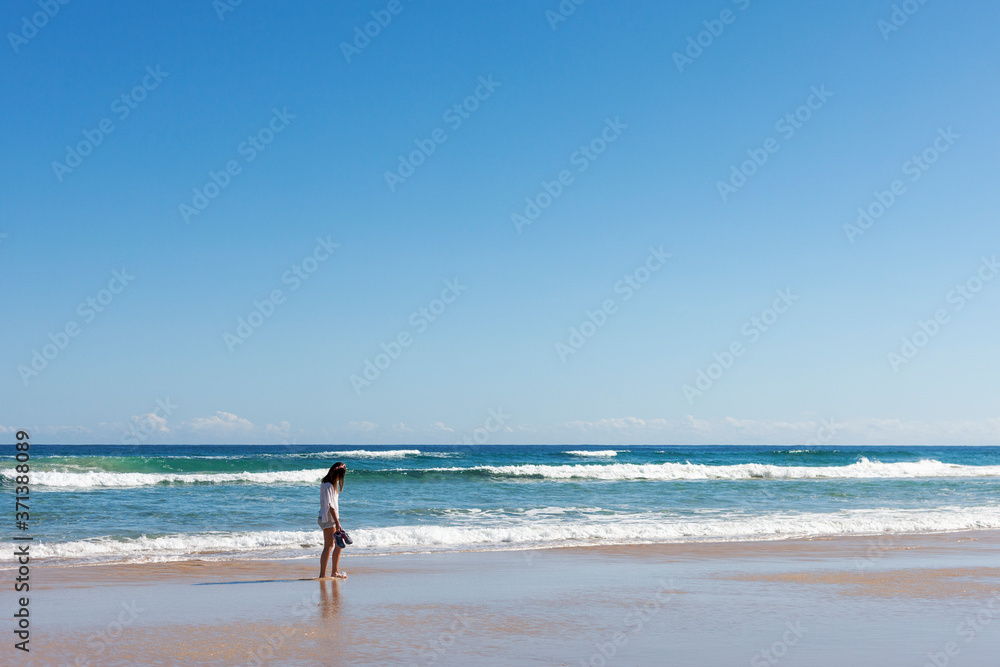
(336, 562)
(325, 557)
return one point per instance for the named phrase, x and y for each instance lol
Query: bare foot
(339, 575)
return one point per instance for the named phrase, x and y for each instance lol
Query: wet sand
(845, 601)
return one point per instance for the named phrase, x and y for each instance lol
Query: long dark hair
(338, 471)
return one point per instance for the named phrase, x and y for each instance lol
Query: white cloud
(220, 422)
(64, 431)
(150, 423)
(281, 428)
(614, 424)
(228, 428)
(362, 426)
(731, 430)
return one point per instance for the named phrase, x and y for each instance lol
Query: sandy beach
(594, 333)
(881, 601)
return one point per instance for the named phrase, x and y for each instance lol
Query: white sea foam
(520, 533)
(190, 545)
(366, 454)
(589, 454)
(862, 469)
(95, 479)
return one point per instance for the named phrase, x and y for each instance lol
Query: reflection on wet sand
(329, 603)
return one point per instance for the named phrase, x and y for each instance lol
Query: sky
(723, 222)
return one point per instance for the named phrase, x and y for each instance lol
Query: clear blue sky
(607, 68)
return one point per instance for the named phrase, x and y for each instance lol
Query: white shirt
(329, 499)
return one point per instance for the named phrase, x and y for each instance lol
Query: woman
(329, 517)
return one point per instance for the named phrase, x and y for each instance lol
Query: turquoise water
(155, 503)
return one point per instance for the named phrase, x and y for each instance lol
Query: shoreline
(897, 599)
(695, 544)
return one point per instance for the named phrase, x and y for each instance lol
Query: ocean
(98, 504)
